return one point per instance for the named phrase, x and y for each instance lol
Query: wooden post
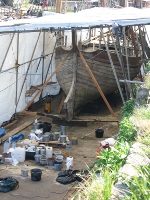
(43, 59)
(69, 101)
(28, 67)
(17, 72)
(96, 83)
(58, 67)
(58, 6)
(136, 53)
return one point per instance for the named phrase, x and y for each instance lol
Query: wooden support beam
(57, 68)
(96, 83)
(58, 6)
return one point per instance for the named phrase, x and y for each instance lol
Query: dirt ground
(83, 155)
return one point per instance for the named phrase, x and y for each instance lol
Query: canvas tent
(27, 50)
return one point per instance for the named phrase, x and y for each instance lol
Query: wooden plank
(61, 104)
(61, 117)
(16, 130)
(54, 144)
(95, 119)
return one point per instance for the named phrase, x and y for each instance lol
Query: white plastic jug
(49, 152)
(19, 154)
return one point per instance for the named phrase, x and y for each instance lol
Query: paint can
(63, 129)
(36, 174)
(24, 171)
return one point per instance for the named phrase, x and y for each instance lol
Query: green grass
(139, 186)
(147, 81)
(142, 113)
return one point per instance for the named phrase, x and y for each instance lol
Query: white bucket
(19, 154)
(49, 152)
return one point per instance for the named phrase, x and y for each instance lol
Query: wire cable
(10, 85)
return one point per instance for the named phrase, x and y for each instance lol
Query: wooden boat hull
(84, 88)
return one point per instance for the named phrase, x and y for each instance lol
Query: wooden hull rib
(84, 89)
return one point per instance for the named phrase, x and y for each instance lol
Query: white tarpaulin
(13, 85)
(27, 43)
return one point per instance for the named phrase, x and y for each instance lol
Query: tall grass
(97, 187)
(139, 186)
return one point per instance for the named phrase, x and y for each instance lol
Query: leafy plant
(127, 130)
(128, 108)
(147, 68)
(134, 90)
(114, 157)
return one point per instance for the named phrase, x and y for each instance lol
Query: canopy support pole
(29, 66)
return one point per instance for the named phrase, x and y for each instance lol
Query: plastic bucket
(99, 132)
(36, 174)
(46, 127)
(57, 167)
(63, 129)
(37, 158)
(50, 161)
(62, 138)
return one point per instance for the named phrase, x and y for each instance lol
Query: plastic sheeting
(8, 83)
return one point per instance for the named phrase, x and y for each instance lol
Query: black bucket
(99, 132)
(46, 127)
(36, 174)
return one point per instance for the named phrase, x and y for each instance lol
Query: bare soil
(83, 154)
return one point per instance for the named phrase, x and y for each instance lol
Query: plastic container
(63, 129)
(50, 161)
(62, 138)
(45, 138)
(36, 174)
(30, 155)
(46, 127)
(19, 154)
(43, 151)
(55, 135)
(6, 146)
(24, 171)
(43, 160)
(49, 152)
(99, 132)
(57, 167)
(37, 158)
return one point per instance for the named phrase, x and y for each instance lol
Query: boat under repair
(95, 66)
